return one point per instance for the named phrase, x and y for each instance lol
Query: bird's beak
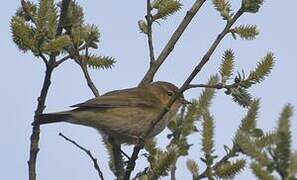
(185, 102)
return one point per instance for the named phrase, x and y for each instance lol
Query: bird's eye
(169, 93)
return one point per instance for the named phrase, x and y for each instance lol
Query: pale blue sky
(22, 74)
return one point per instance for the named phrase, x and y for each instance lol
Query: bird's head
(165, 90)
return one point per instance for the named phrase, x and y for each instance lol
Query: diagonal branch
(88, 152)
(232, 153)
(79, 59)
(149, 76)
(70, 56)
(184, 87)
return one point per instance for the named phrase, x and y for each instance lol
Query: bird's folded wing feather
(120, 98)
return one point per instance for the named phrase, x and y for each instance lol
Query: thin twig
(149, 20)
(60, 61)
(215, 86)
(84, 68)
(148, 78)
(224, 159)
(196, 70)
(125, 154)
(88, 152)
(183, 88)
(44, 59)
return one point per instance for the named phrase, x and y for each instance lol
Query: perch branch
(215, 86)
(184, 87)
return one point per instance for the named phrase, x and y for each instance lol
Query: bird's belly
(125, 123)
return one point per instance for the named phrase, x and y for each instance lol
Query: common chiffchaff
(123, 114)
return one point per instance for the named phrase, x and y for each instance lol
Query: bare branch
(44, 59)
(232, 153)
(183, 88)
(84, 68)
(59, 62)
(196, 70)
(215, 86)
(149, 76)
(70, 56)
(131, 163)
(88, 152)
(149, 20)
(34, 139)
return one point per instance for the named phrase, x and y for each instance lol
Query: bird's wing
(121, 98)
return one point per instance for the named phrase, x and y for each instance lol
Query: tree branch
(149, 20)
(215, 86)
(131, 163)
(60, 61)
(88, 152)
(149, 76)
(83, 66)
(50, 65)
(184, 87)
(232, 153)
(44, 59)
(34, 139)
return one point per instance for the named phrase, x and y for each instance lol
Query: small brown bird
(123, 114)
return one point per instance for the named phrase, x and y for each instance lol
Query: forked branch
(184, 87)
(149, 76)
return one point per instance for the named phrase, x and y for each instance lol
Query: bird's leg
(117, 158)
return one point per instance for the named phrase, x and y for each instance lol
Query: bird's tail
(51, 118)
